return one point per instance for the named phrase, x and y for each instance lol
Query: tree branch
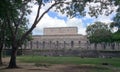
(36, 22)
(23, 12)
(45, 12)
(9, 24)
(15, 24)
(38, 12)
(21, 17)
(39, 18)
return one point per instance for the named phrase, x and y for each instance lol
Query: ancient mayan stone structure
(58, 38)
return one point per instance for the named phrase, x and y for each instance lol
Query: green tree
(116, 23)
(116, 35)
(16, 10)
(99, 33)
(1, 39)
(10, 17)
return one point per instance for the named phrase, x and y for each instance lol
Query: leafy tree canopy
(99, 32)
(116, 23)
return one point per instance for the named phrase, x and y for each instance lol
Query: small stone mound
(105, 63)
(41, 65)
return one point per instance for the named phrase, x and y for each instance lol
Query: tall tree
(116, 23)
(2, 29)
(9, 28)
(98, 33)
(17, 9)
(1, 39)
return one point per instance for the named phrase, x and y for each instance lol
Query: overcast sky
(54, 19)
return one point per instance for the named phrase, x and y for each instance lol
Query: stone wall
(61, 31)
(57, 42)
(67, 42)
(69, 52)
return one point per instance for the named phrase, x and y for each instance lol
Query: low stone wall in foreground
(80, 53)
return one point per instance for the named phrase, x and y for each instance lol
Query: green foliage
(76, 8)
(11, 18)
(116, 23)
(116, 36)
(99, 32)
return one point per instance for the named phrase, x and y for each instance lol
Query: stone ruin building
(57, 38)
(65, 41)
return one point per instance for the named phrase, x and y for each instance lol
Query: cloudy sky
(54, 19)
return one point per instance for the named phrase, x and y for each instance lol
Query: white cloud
(78, 23)
(48, 21)
(106, 19)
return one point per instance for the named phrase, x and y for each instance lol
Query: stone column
(57, 44)
(64, 44)
(37, 44)
(79, 43)
(43, 44)
(72, 44)
(50, 44)
(31, 44)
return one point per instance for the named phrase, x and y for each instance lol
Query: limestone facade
(58, 41)
(63, 38)
(61, 31)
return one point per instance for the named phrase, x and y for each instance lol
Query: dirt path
(54, 68)
(32, 67)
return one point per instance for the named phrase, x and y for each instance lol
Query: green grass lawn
(115, 62)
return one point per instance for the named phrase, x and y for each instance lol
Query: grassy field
(115, 62)
(63, 64)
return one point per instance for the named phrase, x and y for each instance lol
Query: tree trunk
(1, 57)
(1, 47)
(12, 63)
